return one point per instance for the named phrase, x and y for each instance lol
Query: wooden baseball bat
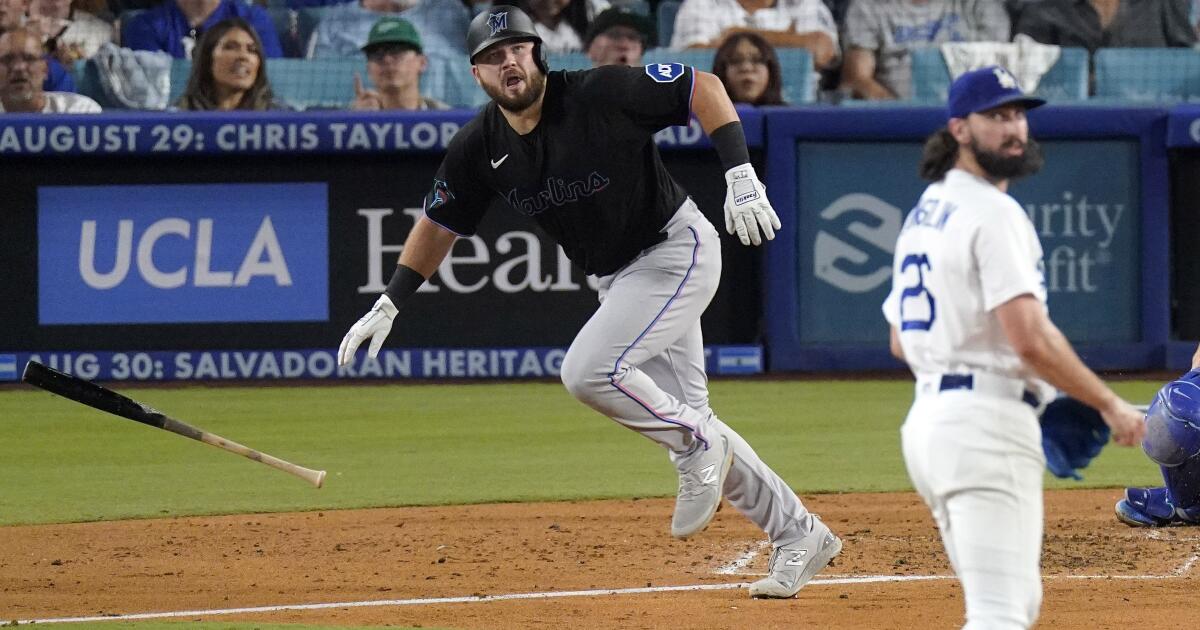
(105, 399)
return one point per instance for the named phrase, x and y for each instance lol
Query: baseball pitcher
(968, 313)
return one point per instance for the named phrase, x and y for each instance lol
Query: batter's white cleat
(792, 566)
(701, 478)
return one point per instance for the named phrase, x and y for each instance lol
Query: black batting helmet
(501, 23)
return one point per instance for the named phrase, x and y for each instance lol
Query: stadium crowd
(71, 55)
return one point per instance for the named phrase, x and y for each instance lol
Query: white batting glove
(376, 324)
(747, 210)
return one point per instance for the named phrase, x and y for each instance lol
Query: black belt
(967, 381)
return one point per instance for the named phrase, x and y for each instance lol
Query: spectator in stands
(395, 61)
(880, 33)
(71, 34)
(22, 72)
(229, 71)
(12, 15)
(344, 28)
(1094, 24)
(783, 23)
(175, 26)
(620, 37)
(749, 68)
(560, 23)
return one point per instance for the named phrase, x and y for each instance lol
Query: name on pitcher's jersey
(589, 173)
(965, 249)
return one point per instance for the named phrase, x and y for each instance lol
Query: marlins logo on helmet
(498, 22)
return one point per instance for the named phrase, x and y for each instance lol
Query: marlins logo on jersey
(439, 195)
(498, 22)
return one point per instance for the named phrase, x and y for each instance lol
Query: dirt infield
(1099, 573)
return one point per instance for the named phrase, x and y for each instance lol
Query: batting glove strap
(384, 305)
(748, 212)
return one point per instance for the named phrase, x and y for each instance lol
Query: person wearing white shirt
(967, 311)
(562, 24)
(783, 23)
(75, 34)
(22, 71)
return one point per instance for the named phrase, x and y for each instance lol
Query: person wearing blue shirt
(58, 78)
(175, 25)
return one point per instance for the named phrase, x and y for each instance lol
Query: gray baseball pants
(640, 361)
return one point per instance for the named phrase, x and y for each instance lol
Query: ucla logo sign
(852, 254)
(182, 253)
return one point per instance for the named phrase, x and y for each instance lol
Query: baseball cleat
(793, 566)
(701, 479)
(1152, 507)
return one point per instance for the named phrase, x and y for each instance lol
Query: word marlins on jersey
(557, 192)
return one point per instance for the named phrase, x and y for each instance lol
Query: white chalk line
(1187, 566)
(830, 581)
(742, 561)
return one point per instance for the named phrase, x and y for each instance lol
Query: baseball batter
(968, 313)
(575, 151)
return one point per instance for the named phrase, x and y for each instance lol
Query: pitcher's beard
(1000, 166)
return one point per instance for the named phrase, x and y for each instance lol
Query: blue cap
(984, 89)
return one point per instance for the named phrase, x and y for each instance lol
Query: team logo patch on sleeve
(439, 195)
(664, 72)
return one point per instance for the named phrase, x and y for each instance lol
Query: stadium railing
(1147, 75)
(1066, 80)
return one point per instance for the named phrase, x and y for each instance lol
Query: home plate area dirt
(599, 564)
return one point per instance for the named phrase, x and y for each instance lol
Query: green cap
(393, 30)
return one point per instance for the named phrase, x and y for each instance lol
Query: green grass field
(422, 444)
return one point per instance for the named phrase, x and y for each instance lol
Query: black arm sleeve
(653, 97)
(458, 198)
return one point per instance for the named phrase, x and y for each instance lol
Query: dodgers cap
(986, 88)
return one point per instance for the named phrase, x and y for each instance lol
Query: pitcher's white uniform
(971, 441)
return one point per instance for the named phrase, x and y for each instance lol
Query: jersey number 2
(916, 291)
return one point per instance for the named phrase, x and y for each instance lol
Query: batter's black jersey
(589, 173)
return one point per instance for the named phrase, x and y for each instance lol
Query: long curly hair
(938, 156)
(201, 92)
(773, 94)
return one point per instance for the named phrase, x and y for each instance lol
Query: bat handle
(315, 477)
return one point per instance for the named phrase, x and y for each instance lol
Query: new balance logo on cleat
(790, 568)
(701, 477)
(797, 559)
